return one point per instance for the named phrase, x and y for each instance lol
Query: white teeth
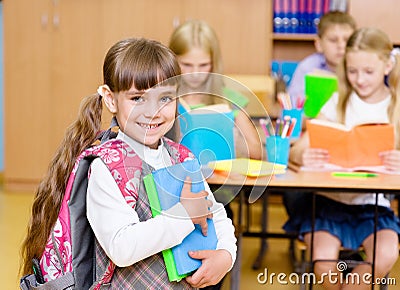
(148, 126)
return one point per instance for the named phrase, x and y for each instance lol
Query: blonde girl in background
(347, 219)
(125, 232)
(198, 52)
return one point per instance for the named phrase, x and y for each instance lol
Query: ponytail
(80, 135)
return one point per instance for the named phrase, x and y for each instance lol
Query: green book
(235, 97)
(318, 89)
(169, 261)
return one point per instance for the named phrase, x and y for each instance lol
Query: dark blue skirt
(352, 224)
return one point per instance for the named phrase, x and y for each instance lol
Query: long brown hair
(131, 61)
(376, 41)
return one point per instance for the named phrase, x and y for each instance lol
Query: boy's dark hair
(335, 17)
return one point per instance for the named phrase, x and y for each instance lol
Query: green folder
(156, 210)
(235, 97)
(318, 89)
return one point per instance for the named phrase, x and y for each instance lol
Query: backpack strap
(82, 236)
(110, 133)
(178, 152)
(65, 282)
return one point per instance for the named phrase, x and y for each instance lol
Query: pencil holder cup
(298, 114)
(278, 149)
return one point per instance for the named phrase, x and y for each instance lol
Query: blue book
(278, 16)
(318, 12)
(208, 133)
(302, 10)
(294, 16)
(164, 186)
(285, 16)
(309, 16)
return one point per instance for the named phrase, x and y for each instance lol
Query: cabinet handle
(175, 22)
(56, 20)
(44, 20)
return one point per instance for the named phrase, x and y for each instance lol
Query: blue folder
(169, 182)
(209, 136)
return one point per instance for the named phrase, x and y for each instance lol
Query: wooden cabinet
(381, 14)
(243, 27)
(54, 50)
(51, 61)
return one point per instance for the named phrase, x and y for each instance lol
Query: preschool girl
(127, 236)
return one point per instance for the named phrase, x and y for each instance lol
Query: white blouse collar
(141, 149)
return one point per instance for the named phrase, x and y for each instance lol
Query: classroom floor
(15, 210)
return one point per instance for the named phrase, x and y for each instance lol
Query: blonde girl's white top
(357, 112)
(116, 225)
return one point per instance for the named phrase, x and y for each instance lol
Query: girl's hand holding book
(391, 159)
(315, 157)
(196, 205)
(215, 265)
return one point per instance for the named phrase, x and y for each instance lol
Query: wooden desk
(315, 181)
(292, 181)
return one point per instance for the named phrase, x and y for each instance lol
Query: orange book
(355, 147)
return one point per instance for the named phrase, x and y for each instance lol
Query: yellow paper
(249, 167)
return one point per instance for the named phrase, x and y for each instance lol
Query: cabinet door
(27, 54)
(371, 13)
(77, 52)
(53, 52)
(243, 28)
(152, 19)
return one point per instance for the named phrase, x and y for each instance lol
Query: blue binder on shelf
(208, 134)
(278, 16)
(317, 13)
(302, 14)
(286, 24)
(165, 186)
(294, 16)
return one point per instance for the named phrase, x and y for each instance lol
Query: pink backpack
(68, 261)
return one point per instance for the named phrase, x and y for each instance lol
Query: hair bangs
(146, 66)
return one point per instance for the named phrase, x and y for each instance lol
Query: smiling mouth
(148, 126)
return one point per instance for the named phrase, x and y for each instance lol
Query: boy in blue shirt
(334, 29)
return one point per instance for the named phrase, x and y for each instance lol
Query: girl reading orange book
(347, 219)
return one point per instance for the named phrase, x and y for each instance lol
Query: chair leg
(300, 265)
(384, 286)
